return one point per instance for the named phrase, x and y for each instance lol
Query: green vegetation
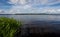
(8, 27)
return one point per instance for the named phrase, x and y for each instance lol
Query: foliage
(8, 26)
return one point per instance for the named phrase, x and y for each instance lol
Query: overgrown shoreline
(8, 26)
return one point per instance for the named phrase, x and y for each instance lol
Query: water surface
(28, 18)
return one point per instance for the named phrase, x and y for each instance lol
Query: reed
(8, 26)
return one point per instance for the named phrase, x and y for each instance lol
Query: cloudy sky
(29, 6)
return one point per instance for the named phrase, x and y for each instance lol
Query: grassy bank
(8, 26)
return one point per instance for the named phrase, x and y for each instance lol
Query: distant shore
(30, 14)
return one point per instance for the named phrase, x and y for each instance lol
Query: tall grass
(8, 27)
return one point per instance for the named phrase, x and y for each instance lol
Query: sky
(29, 6)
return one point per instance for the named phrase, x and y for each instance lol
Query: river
(27, 18)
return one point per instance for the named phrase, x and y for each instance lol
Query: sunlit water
(28, 18)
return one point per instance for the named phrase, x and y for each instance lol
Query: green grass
(8, 26)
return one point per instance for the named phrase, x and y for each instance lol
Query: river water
(28, 18)
(55, 19)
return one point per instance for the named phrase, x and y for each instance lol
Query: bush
(8, 27)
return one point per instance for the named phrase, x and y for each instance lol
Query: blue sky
(29, 6)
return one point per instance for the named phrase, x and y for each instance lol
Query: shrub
(8, 27)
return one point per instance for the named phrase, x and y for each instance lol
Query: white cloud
(51, 11)
(17, 2)
(58, 10)
(0, 10)
(20, 9)
(49, 2)
(42, 2)
(27, 8)
(13, 1)
(22, 1)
